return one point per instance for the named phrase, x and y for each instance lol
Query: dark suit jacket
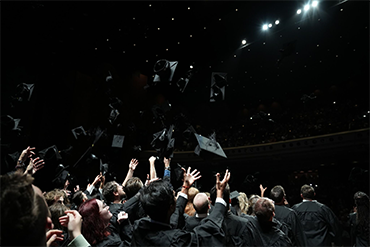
(267, 234)
(150, 233)
(293, 229)
(191, 222)
(319, 223)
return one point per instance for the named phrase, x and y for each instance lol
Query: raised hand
(122, 216)
(221, 185)
(262, 190)
(34, 165)
(27, 153)
(73, 221)
(133, 164)
(53, 235)
(97, 179)
(190, 177)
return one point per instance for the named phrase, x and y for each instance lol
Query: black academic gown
(151, 233)
(237, 232)
(191, 222)
(114, 239)
(267, 234)
(319, 223)
(358, 237)
(294, 230)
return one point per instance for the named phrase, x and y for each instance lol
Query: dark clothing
(237, 232)
(292, 226)
(320, 224)
(151, 233)
(267, 234)
(191, 222)
(132, 207)
(113, 239)
(358, 236)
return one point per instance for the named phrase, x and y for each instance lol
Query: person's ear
(115, 193)
(49, 223)
(301, 195)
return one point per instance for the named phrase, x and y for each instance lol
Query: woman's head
(96, 216)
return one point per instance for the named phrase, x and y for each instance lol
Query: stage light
(277, 22)
(270, 25)
(191, 66)
(306, 7)
(315, 3)
(299, 11)
(264, 27)
(244, 42)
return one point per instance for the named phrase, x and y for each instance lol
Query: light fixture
(299, 11)
(277, 22)
(244, 41)
(315, 3)
(264, 27)
(306, 7)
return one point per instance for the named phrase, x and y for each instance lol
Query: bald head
(201, 203)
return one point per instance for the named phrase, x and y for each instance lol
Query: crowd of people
(288, 123)
(154, 213)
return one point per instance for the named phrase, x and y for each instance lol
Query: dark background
(67, 49)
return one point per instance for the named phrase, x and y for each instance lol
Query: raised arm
(189, 179)
(131, 169)
(26, 153)
(153, 173)
(34, 166)
(262, 190)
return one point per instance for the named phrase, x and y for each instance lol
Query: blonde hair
(243, 203)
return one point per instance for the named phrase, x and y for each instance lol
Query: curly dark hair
(108, 190)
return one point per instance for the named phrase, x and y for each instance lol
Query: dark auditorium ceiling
(67, 50)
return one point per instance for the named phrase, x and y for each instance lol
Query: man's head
(112, 191)
(277, 194)
(158, 200)
(264, 209)
(133, 185)
(307, 192)
(23, 212)
(201, 203)
(54, 196)
(78, 198)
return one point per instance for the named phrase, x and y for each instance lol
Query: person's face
(105, 214)
(120, 191)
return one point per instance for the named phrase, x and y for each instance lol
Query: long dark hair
(94, 228)
(362, 214)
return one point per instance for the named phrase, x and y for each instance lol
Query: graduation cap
(164, 70)
(234, 194)
(159, 110)
(114, 113)
(103, 168)
(24, 91)
(118, 141)
(50, 154)
(61, 176)
(218, 84)
(79, 132)
(163, 142)
(10, 123)
(208, 146)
